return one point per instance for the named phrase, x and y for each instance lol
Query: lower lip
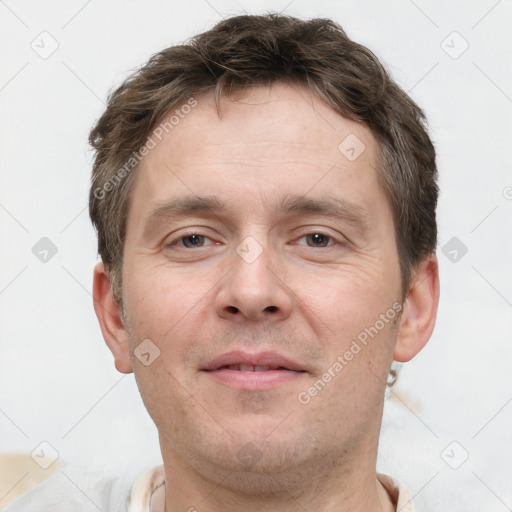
(254, 381)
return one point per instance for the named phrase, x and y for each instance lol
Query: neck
(334, 486)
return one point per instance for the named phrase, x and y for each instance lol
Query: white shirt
(78, 490)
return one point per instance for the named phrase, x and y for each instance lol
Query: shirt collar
(144, 496)
(398, 492)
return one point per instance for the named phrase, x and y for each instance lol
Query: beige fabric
(143, 497)
(148, 492)
(19, 472)
(398, 492)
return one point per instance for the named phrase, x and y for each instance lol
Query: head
(265, 188)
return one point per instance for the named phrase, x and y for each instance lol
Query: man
(265, 198)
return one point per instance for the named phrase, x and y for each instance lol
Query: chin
(266, 472)
(268, 485)
(266, 463)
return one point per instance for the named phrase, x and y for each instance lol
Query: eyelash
(182, 237)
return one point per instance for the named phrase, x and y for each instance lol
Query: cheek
(345, 302)
(164, 310)
(353, 316)
(161, 301)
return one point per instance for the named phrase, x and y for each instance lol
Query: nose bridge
(252, 265)
(253, 289)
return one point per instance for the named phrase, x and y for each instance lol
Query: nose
(253, 290)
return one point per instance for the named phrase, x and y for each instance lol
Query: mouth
(251, 368)
(253, 372)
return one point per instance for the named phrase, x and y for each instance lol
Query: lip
(282, 370)
(272, 359)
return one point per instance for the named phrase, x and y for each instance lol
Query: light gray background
(57, 378)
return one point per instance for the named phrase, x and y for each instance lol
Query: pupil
(319, 239)
(192, 240)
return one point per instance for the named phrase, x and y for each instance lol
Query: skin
(305, 296)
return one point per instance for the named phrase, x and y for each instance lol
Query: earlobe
(109, 316)
(420, 310)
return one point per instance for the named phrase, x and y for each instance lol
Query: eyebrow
(292, 204)
(335, 207)
(184, 206)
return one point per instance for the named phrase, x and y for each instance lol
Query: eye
(191, 241)
(318, 240)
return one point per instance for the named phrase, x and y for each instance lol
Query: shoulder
(78, 489)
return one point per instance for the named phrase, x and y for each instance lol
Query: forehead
(273, 117)
(264, 133)
(283, 124)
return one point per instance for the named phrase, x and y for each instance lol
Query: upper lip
(272, 359)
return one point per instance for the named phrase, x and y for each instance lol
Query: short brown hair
(245, 51)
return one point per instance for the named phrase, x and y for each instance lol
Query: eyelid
(175, 239)
(333, 241)
(313, 230)
(336, 239)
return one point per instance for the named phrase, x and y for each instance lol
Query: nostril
(271, 309)
(232, 309)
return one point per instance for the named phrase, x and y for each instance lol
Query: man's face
(275, 281)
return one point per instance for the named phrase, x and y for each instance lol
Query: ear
(420, 310)
(109, 316)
